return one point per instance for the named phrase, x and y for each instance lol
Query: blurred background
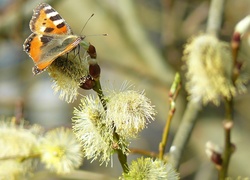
(144, 49)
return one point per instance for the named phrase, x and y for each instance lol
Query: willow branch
(215, 16)
(183, 134)
(143, 152)
(174, 91)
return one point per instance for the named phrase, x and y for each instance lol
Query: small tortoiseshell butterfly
(51, 37)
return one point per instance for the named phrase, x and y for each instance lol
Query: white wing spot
(47, 7)
(58, 21)
(42, 28)
(52, 14)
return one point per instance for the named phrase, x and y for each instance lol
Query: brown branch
(143, 152)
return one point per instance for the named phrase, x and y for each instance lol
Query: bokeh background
(144, 49)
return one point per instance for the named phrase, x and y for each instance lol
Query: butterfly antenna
(87, 22)
(97, 35)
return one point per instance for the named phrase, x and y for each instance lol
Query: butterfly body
(51, 37)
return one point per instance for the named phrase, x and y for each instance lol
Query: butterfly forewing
(47, 20)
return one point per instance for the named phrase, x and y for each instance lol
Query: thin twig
(228, 149)
(122, 157)
(228, 124)
(98, 89)
(174, 91)
(143, 152)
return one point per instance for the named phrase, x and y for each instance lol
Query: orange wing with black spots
(51, 37)
(47, 20)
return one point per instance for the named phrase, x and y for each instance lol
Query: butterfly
(51, 37)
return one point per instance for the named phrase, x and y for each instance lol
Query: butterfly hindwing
(44, 49)
(54, 46)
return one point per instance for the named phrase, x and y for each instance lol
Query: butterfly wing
(44, 49)
(51, 37)
(47, 20)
